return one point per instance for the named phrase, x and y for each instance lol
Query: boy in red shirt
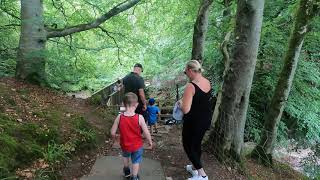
(130, 125)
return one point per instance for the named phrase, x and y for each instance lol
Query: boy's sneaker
(126, 172)
(135, 177)
(191, 171)
(198, 178)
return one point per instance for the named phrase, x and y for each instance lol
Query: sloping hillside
(41, 130)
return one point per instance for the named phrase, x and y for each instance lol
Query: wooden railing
(108, 96)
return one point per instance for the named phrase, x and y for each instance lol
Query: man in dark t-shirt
(133, 82)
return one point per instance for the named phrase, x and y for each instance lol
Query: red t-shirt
(130, 133)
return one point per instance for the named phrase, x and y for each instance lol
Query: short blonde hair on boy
(130, 99)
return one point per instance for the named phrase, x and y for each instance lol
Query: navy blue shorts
(136, 157)
(150, 123)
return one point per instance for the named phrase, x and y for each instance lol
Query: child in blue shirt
(153, 115)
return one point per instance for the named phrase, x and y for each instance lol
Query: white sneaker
(191, 171)
(198, 178)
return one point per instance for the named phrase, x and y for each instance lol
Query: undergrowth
(22, 143)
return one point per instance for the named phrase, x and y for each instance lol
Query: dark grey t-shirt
(132, 83)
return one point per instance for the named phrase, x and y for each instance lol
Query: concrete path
(110, 168)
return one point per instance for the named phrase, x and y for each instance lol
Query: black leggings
(191, 139)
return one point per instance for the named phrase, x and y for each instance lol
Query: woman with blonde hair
(196, 104)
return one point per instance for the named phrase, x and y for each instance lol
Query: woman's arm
(187, 97)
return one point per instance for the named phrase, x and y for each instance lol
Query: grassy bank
(40, 130)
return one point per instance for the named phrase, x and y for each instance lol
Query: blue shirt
(152, 113)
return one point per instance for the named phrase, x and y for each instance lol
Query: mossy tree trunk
(31, 58)
(227, 136)
(224, 48)
(200, 30)
(305, 12)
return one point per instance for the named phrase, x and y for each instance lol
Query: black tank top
(201, 110)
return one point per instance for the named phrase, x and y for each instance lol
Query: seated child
(153, 115)
(130, 125)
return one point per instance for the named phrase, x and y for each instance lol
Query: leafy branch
(94, 24)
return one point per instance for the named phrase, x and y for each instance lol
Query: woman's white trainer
(191, 171)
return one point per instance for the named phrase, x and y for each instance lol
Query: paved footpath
(110, 168)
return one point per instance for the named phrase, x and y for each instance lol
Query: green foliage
(47, 173)
(311, 163)
(95, 99)
(86, 136)
(22, 143)
(18, 142)
(253, 127)
(55, 153)
(7, 67)
(301, 113)
(9, 38)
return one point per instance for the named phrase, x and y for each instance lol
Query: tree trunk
(226, 59)
(200, 31)
(272, 117)
(227, 10)
(227, 136)
(31, 60)
(225, 53)
(31, 53)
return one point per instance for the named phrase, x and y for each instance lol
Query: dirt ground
(169, 152)
(168, 148)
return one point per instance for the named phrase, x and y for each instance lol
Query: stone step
(110, 168)
(166, 115)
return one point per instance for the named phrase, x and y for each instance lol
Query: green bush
(55, 153)
(8, 152)
(86, 137)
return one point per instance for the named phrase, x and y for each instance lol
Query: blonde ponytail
(194, 65)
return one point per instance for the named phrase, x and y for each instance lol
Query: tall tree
(200, 30)
(224, 49)
(227, 136)
(305, 12)
(31, 57)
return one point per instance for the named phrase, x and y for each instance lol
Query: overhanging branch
(83, 48)
(9, 13)
(9, 26)
(60, 8)
(83, 27)
(114, 40)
